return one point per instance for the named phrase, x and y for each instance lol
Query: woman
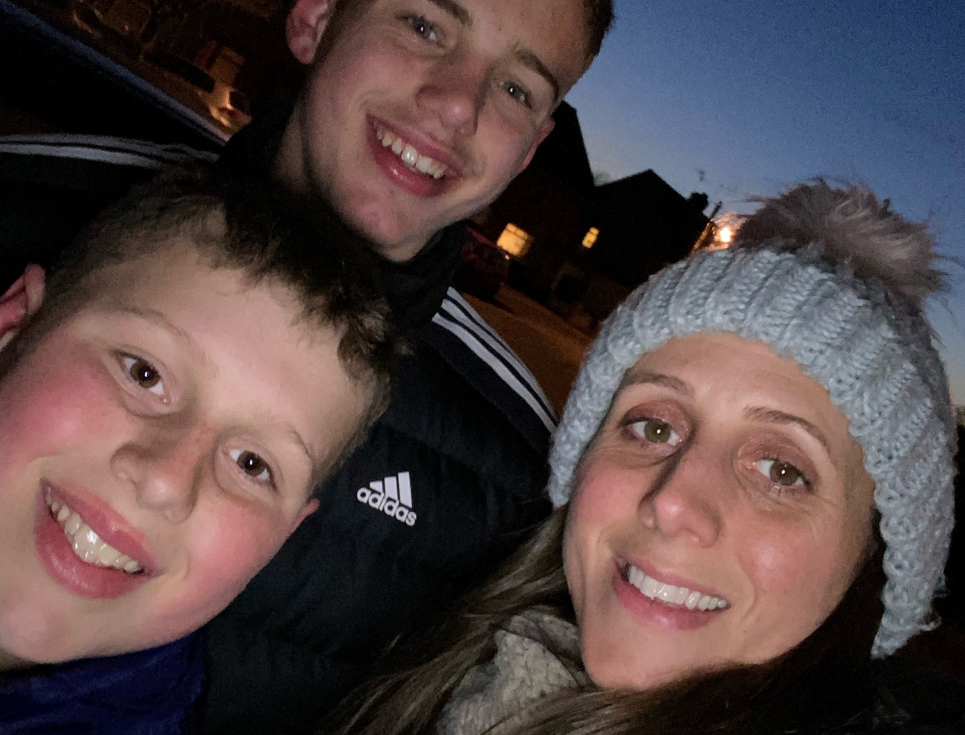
(753, 483)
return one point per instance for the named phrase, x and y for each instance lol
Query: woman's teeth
(410, 156)
(671, 594)
(87, 545)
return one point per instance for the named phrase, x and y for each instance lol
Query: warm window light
(590, 239)
(515, 241)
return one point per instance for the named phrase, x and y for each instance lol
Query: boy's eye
(144, 374)
(781, 473)
(251, 464)
(656, 432)
(425, 28)
(516, 92)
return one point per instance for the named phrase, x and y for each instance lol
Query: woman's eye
(423, 27)
(781, 473)
(656, 432)
(516, 92)
(144, 374)
(252, 465)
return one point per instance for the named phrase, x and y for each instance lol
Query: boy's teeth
(410, 156)
(671, 594)
(87, 545)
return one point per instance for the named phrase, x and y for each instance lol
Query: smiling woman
(753, 482)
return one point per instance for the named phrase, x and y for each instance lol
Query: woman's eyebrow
(637, 376)
(773, 416)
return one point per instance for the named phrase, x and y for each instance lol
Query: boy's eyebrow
(530, 60)
(159, 319)
(293, 433)
(455, 10)
(526, 57)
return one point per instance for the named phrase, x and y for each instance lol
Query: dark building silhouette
(588, 245)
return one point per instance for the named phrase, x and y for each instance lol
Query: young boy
(197, 364)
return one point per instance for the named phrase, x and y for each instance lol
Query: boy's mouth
(410, 155)
(87, 545)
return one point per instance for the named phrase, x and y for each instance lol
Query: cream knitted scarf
(537, 654)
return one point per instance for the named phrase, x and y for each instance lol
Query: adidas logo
(392, 496)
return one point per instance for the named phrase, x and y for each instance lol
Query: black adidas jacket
(449, 482)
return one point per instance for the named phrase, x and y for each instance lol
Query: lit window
(590, 239)
(515, 241)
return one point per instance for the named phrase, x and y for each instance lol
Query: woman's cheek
(782, 561)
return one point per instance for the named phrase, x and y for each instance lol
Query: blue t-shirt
(143, 693)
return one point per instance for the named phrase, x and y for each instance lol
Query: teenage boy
(197, 364)
(414, 114)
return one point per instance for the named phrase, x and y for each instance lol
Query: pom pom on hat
(851, 227)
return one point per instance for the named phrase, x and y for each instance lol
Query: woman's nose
(688, 499)
(165, 470)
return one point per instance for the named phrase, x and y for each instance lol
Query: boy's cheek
(224, 548)
(53, 409)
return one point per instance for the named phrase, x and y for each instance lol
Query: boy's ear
(310, 507)
(305, 25)
(20, 301)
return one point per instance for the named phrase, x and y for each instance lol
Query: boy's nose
(455, 94)
(165, 472)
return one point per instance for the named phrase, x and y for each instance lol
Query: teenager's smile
(410, 161)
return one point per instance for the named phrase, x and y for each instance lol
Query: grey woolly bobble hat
(832, 279)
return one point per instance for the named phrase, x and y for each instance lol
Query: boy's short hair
(600, 20)
(260, 230)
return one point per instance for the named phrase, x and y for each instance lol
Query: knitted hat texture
(867, 344)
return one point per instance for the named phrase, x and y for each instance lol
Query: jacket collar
(415, 288)
(146, 691)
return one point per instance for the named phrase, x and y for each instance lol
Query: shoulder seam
(121, 151)
(460, 310)
(475, 345)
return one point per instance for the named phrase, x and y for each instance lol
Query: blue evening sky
(743, 97)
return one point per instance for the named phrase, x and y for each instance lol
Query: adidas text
(392, 496)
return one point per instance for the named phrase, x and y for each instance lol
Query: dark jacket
(145, 693)
(449, 482)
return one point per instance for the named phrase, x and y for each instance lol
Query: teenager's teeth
(410, 156)
(87, 545)
(671, 594)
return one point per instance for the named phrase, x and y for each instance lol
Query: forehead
(556, 31)
(743, 366)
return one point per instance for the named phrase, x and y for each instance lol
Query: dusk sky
(744, 97)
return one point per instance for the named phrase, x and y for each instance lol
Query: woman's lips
(67, 569)
(656, 612)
